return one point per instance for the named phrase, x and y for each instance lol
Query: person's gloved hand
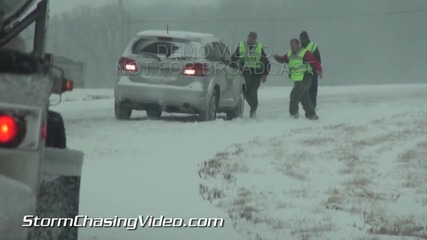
(320, 74)
(277, 58)
(264, 78)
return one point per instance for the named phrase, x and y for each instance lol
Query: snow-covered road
(144, 167)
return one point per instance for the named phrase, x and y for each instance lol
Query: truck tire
(55, 132)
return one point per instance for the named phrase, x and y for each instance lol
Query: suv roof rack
(195, 36)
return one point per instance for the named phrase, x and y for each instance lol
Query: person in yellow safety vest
(301, 63)
(314, 49)
(252, 60)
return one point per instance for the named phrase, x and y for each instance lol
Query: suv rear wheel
(238, 111)
(209, 113)
(121, 111)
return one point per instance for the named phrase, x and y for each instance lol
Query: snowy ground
(360, 172)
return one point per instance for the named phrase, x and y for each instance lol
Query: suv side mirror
(49, 58)
(233, 64)
(226, 61)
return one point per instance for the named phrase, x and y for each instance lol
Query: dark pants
(253, 81)
(313, 90)
(300, 93)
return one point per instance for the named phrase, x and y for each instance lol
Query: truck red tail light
(8, 129)
(127, 65)
(12, 131)
(195, 69)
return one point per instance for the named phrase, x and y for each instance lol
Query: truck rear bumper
(19, 200)
(59, 194)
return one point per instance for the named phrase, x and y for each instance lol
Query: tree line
(355, 48)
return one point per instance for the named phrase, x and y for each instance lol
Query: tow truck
(39, 175)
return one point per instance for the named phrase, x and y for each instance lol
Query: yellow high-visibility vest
(251, 57)
(311, 47)
(296, 65)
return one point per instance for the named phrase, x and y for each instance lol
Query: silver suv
(178, 72)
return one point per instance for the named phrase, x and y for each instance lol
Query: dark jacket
(264, 60)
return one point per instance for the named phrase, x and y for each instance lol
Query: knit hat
(304, 35)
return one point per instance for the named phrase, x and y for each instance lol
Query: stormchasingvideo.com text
(84, 221)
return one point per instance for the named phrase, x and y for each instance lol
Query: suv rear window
(169, 49)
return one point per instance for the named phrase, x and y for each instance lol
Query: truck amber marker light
(68, 85)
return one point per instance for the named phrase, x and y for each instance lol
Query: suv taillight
(195, 69)
(12, 131)
(127, 65)
(43, 131)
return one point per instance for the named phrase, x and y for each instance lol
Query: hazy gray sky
(58, 6)
(66, 5)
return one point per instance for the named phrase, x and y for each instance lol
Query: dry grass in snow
(333, 182)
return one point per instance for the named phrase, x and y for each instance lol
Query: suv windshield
(169, 49)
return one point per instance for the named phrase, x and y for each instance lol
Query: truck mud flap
(59, 193)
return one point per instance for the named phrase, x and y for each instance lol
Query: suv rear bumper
(133, 93)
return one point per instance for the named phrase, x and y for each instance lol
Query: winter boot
(295, 116)
(252, 114)
(314, 117)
